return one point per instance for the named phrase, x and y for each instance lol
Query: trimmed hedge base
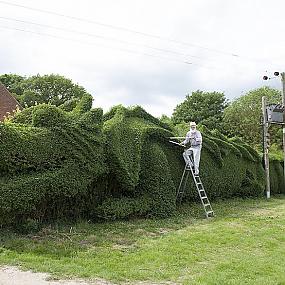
(277, 185)
(71, 162)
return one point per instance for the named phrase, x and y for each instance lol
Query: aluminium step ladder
(199, 186)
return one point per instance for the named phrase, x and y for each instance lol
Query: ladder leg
(180, 184)
(184, 184)
(185, 181)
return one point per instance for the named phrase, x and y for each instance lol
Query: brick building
(8, 104)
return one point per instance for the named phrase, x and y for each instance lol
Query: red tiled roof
(8, 104)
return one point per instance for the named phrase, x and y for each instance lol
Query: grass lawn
(243, 244)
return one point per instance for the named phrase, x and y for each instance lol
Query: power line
(102, 37)
(247, 58)
(93, 44)
(186, 61)
(120, 28)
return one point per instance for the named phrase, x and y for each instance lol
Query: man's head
(193, 126)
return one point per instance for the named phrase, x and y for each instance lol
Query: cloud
(231, 44)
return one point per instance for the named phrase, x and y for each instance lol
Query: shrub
(48, 116)
(121, 208)
(51, 166)
(276, 171)
(58, 164)
(143, 164)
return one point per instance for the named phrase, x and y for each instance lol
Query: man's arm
(187, 139)
(199, 138)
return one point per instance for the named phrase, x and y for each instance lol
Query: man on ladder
(192, 160)
(194, 138)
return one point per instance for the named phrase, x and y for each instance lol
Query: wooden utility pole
(283, 103)
(265, 146)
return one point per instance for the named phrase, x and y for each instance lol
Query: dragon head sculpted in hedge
(71, 161)
(49, 159)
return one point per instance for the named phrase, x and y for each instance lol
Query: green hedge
(144, 165)
(59, 164)
(277, 185)
(51, 164)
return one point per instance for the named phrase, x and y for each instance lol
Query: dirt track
(12, 276)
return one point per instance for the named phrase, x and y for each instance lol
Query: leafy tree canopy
(243, 116)
(202, 107)
(53, 88)
(167, 120)
(12, 82)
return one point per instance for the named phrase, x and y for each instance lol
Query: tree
(53, 89)
(12, 82)
(202, 107)
(243, 116)
(165, 119)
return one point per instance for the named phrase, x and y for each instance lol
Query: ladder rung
(208, 204)
(205, 197)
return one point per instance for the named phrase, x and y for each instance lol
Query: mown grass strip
(244, 244)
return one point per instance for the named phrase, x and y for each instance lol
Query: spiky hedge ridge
(57, 163)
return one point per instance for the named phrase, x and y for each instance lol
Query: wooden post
(265, 147)
(283, 103)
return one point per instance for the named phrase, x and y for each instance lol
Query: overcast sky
(146, 52)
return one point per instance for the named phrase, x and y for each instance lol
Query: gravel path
(10, 275)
